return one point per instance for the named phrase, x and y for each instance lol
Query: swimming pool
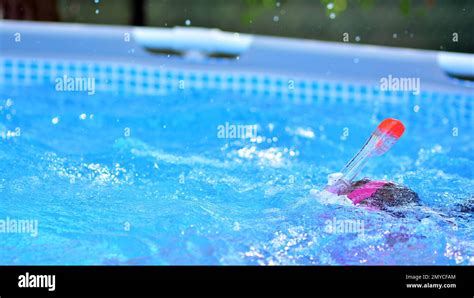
(135, 171)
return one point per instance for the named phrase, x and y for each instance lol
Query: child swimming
(380, 194)
(374, 194)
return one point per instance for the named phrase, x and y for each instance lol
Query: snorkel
(382, 139)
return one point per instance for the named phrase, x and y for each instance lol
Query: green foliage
(405, 6)
(254, 8)
(334, 7)
(367, 4)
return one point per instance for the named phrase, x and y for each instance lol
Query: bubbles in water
(305, 132)
(187, 22)
(271, 127)
(326, 198)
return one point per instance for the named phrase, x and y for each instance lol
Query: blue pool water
(134, 179)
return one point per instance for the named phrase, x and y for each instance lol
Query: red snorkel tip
(392, 126)
(382, 139)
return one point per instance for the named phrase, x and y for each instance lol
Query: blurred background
(445, 25)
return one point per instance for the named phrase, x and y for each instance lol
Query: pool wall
(287, 69)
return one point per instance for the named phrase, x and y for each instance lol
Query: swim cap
(381, 194)
(365, 191)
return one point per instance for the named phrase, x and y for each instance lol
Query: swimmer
(374, 194)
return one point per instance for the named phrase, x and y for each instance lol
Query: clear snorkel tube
(382, 139)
